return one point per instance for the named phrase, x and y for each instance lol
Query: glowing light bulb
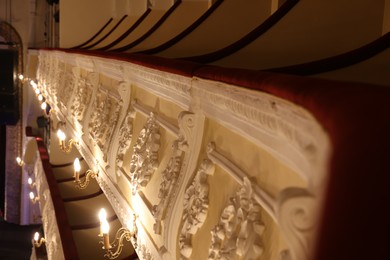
(61, 135)
(44, 106)
(40, 97)
(102, 215)
(21, 77)
(32, 196)
(29, 181)
(37, 91)
(36, 236)
(18, 160)
(76, 165)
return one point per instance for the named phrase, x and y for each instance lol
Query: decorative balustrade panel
(212, 171)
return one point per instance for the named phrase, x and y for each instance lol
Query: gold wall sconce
(38, 241)
(114, 249)
(33, 198)
(19, 161)
(31, 183)
(88, 174)
(61, 137)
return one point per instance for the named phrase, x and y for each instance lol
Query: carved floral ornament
(144, 160)
(196, 205)
(167, 186)
(238, 232)
(125, 136)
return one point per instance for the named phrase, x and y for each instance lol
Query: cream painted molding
(144, 160)
(172, 87)
(239, 230)
(122, 134)
(284, 129)
(196, 203)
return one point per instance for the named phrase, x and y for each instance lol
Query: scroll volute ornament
(296, 211)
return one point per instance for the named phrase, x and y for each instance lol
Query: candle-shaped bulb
(40, 97)
(61, 135)
(32, 196)
(36, 236)
(37, 91)
(105, 227)
(77, 168)
(29, 181)
(43, 105)
(76, 165)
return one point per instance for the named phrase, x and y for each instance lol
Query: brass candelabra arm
(84, 184)
(121, 235)
(68, 148)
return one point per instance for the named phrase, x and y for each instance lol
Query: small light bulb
(76, 165)
(36, 236)
(40, 97)
(18, 160)
(21, 77)
(37, 91)
(102, 215)
(32, 196)
(29, 181)
(61, 135)
(44, 106)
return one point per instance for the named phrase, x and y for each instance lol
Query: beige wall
(80, 20)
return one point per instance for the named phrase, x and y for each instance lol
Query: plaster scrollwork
(196, 205)
(297, 221)
(169, 179)
(71, 80)
(144, 160)
(125, 136)
(82, 97)
(110, 125)
(103, 120)
(174, 173)
(142, 250)
(238, 232)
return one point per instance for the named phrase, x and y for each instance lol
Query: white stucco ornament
(144, 160)
(196, 204)
(238, 232)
